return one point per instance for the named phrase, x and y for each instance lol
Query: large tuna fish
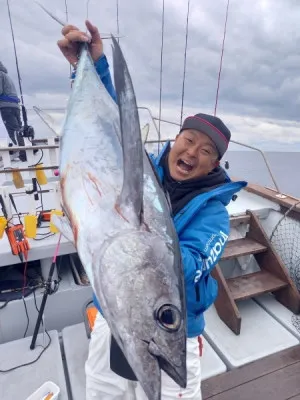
(119, 220)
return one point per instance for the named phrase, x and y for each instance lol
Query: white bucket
(42, 391)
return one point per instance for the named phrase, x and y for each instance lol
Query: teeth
(187, 163)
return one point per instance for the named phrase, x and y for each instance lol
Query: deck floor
(276, 377)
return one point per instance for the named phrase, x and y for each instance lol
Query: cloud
(265, 134)
(259, 94)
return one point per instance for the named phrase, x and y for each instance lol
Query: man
(199, 190)
(9, 108)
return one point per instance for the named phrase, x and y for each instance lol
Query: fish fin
(132, 145)
(64, 226)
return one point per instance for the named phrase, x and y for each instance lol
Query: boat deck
(275, 377)
(260, 363)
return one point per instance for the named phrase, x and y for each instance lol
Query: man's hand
(69, 45)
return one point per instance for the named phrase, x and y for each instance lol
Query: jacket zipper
(197, 289)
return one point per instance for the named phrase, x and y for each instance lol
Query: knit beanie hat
(211, 126)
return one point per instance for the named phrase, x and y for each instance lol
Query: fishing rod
(63, 23)
(26, 131)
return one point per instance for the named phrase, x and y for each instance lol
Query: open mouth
(174, 367)
(184, 166)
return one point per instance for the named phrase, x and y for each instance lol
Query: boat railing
(30, 180)
(156, 123)
(154, 119)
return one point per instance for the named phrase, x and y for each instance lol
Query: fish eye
(169, 317)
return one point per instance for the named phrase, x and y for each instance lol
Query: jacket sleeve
(202, 243)
(102, 68)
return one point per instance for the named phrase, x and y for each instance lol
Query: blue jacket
(203, 229)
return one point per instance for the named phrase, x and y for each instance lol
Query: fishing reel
(27, 132)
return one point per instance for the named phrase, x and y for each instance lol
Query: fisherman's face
(193, 155)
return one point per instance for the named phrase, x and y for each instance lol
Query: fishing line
(67, 19)
(221, 60)
(87, 9)
(184, 64)
(118, 30)
(66, 8)
(161, 70)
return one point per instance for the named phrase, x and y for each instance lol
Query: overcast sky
(259, 95)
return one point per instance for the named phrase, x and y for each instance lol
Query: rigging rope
(184, 64)
(87, 9)
(221, 60)
(118, 30)
(66, 8)
(161, 63)
(67, 19)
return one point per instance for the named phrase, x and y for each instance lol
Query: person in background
(10, 109)
(199, 190)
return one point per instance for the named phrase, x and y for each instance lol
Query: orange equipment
(90, 312)
(17, 240)
(15, 234)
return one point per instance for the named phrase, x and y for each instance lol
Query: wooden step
(239, 220)
(250, 285)
(242, 247)
(273, 276)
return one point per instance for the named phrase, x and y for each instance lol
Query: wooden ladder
(273, 277)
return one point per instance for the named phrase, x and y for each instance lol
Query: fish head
(151, 327)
